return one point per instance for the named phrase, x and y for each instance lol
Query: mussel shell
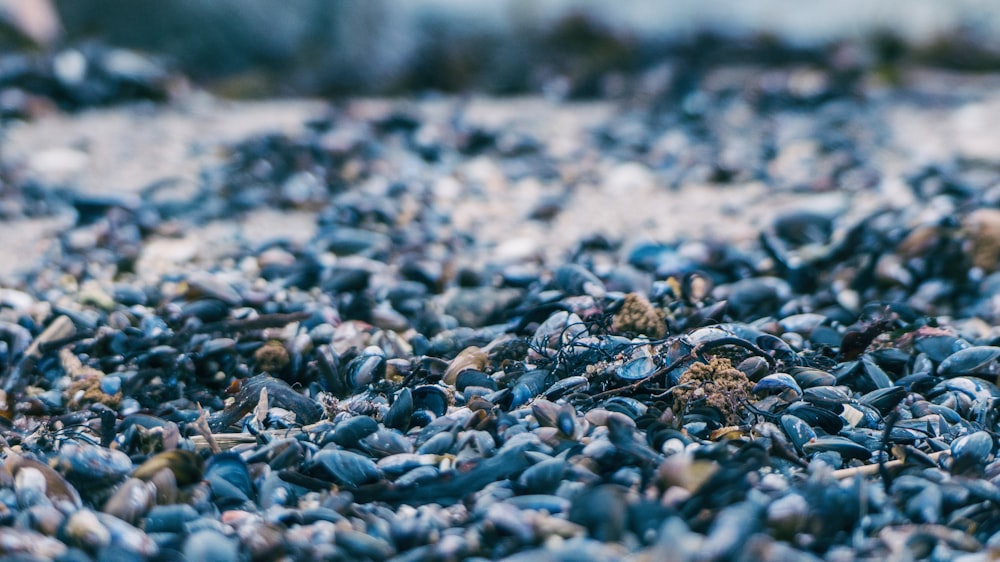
(560, 417)
(923, 367)
(603, 417)
(822, 418)
(54, 486)
(542, 477)
(471, 358)
(131, 500)
(980, 361)
(939, 346)
(169, 518)
(153, 326)
(602, 511)
(350, 432)
(657, 435)
(862, 375)
(826, 396)
(636, 369)
(279, 394)
(362, 546)
(754, 367)
(474, 377)
(275, 490)
(798, 431)
(206, 310)
(970, 453)
(625, 405)
(700, 426)
(574, 279)
(92, 465)
(548, 503)
(328, 368)
(415, 532)
(44, 518)
(546, 413)
(567, 386)
(707, 334)
(481, 442)
(187, 466)
(567, 420)
(398, 416)
(439, 444)
(528, 386)
(949, 415)
(803, 323)
(841, 445)
(396, 465)
(971, 388)
(165, 485)
(777, 347)
(279, 453)
(892, 360)
(808, 377)
(386, 442)
(218, 346)
(418, 475)
(228, 477)
(17, 337)
(777, 382)
(696, 286)
(345, 468)
(707, 413)
(366, 368)
(560, 328)
(421, 418)
(884, 399)
(431, 398)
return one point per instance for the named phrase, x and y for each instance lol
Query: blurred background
(578, 49)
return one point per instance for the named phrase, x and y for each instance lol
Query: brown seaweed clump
(716, 384)
(85, 388)
(86, 391)
(638, 316)
(271, 357)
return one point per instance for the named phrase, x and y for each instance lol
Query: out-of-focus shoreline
(256, 48)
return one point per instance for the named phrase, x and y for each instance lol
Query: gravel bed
(757, 321)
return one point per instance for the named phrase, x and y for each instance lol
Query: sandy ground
(121, 151)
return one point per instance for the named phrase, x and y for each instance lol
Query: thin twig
(276, 320)
(872, 469)
(226, 441)
(709, 345)
(201, 426)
